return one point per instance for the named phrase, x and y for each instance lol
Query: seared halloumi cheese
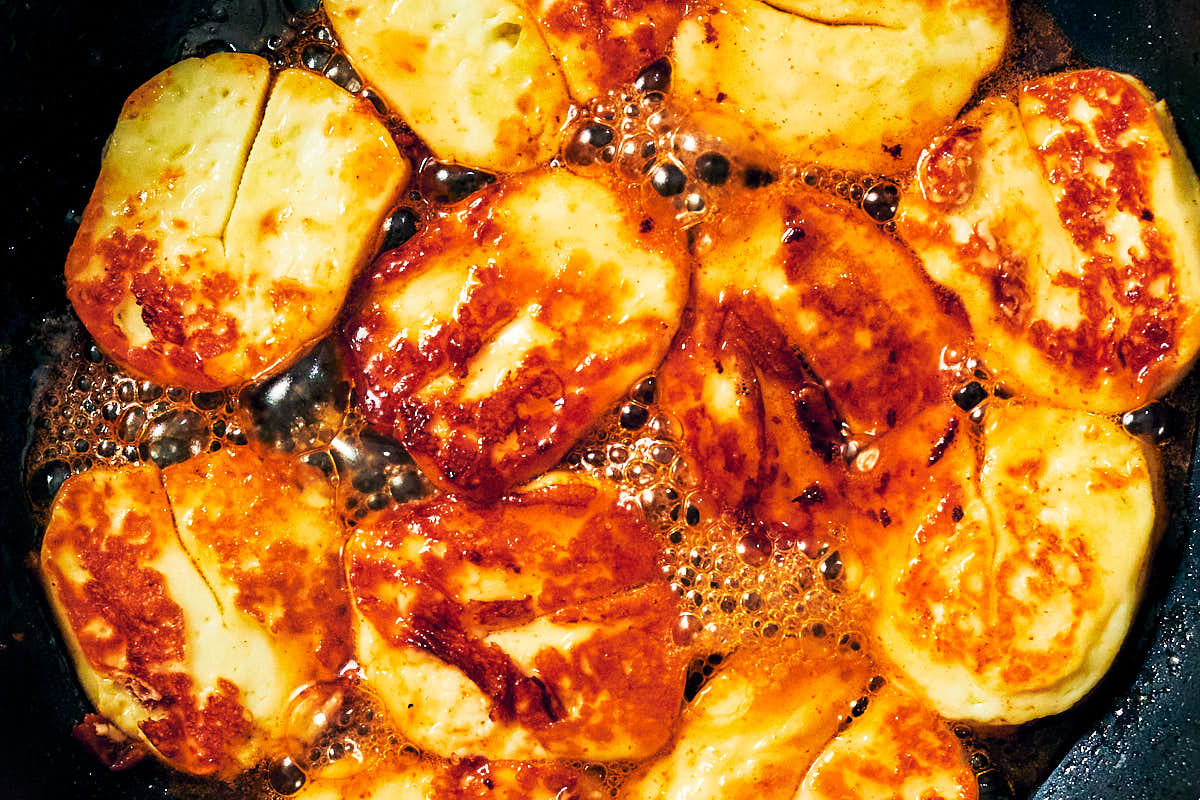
(758, 433)
(897, 749)
(473, 78)
(196, 600)
(498, 335)
(232, 210)
(753, 731)
(1012, 558)
(802, 483)
(805, 272)
(856, 84)
(534, 627)
(603, 45)
(1069, 225)
(467, 779)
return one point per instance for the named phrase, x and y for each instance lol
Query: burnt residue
(943, 442)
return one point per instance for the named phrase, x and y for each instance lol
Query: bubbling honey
(737, 586)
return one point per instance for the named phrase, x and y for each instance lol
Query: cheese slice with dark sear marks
(708, 385)
(497, 336)
(266, 536)
(539, 626)
(191, 637)
(813, 281)
(232, 210)
(760, 435)
(1011, 560)
(1069, 225)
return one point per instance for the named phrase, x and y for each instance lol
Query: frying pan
(69, 65)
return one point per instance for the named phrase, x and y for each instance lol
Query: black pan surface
(67, 67)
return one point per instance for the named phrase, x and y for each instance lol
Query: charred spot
(811, 496)
(793, 235)
(1008, 288)
(106, 742)
(435, 627)
(943, 442)
(817, 418)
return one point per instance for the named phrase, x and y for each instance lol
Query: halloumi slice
(191, 637)
(1012, 558)
(708, 385)
(232, 210)
(847, 83)
(497, 336)
(473, 78)
(896, 750)
(808, 275)
(753, 731)
(538, 626)
(1068, 223)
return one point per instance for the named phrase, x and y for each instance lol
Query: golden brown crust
(572, 353)
(816, 283)
(603, 44)
(708, 385)
(270, 527)
(900, 745)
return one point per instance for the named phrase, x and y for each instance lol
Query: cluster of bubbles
(737, 584)
(636, 132)
(309, 42)
(87, 413)
(305, 411)
(334, 730)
